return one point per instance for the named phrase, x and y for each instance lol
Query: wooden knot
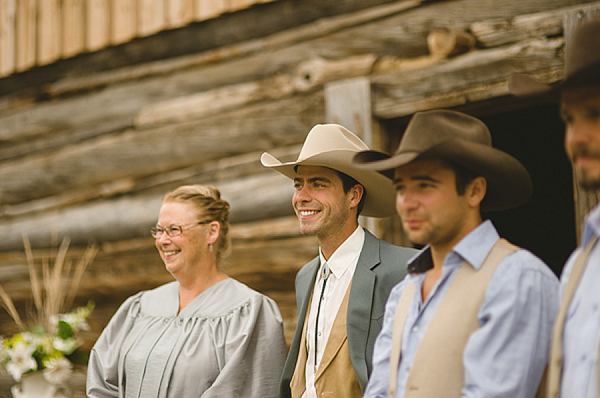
(444, 43)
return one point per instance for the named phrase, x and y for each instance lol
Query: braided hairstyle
(207, 200)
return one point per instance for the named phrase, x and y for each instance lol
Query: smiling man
(573, 370)
(474, 316)
(340, 294)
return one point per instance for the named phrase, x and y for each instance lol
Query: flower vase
(36, 386)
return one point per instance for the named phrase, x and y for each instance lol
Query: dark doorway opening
(546, 224)
(534, 135)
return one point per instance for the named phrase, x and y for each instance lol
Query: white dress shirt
(342, 264)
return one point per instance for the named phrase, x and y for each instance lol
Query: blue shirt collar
(592, 226)
(473, 249)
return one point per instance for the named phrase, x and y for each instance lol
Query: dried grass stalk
(36, 287)
(80, 268)
(9, 305)
(55, 291)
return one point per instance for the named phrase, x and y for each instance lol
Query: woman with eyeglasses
(202, 335)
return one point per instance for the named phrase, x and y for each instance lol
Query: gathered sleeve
(103, 374)
(253, 352)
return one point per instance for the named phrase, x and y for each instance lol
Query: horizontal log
(210, 172)
(309, 75)
(472, 77)
(253, 198)
(494, 33)
(136, 257)
(141, 153)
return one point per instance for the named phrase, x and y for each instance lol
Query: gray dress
(228, 342)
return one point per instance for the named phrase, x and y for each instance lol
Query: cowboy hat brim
(380, 200)
(522, 85)
(508, 182)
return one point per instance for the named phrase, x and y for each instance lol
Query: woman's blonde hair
(210, 206)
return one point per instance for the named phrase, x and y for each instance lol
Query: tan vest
(556, 353)
(335, 376)
(445, 336)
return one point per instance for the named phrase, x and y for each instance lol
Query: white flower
(66, 346)
(57, 370)
(21, 360)
(29, 337)
(83, 325)
(44, 344)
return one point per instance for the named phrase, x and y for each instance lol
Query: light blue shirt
(507, 355)
(582, 324)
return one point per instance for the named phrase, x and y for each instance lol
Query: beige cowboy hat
(464, 140)
(582, 64)
(333, 146)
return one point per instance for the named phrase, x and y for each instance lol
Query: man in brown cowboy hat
(473, 318)
(573, 367)
(340, 294)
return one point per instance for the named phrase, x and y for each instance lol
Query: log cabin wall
(89, 144)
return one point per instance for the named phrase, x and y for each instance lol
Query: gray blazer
(380, 266)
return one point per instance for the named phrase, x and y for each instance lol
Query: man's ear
(357, 192)
(476, 191)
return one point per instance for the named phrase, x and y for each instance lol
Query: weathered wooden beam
(499, 32)
(209, 172)
(475, 76)
(252, 198)
(309, 75)
(140, 153)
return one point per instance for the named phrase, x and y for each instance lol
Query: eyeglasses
(173, 230)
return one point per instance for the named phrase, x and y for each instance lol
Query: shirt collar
(346, 253)
(592, 226)
(473, 249)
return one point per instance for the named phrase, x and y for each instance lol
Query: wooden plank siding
(40, 32)
(7, 36)
(25, 28)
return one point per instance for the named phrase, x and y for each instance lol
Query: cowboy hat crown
(582, 64)
(333, 146)
(461, 139)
